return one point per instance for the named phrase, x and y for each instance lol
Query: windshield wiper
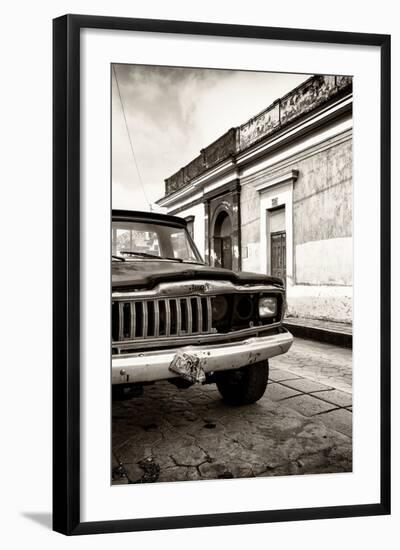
(120, 258)
(147, 255)
(173, 259)
(141, 254)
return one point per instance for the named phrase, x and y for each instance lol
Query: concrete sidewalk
(338, 334)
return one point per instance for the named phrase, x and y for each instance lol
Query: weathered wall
(322, 218)
(322, 234)
(219, 150)
(310, 95)
(198, 225)
(333, 303)
(250, 227)
(325, 262)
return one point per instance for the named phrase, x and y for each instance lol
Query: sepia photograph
(232, 274)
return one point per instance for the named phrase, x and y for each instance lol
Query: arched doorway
(223, 240)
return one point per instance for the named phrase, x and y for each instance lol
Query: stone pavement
(327, 364)
(302, 425)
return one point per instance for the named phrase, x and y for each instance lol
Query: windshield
(133, 240)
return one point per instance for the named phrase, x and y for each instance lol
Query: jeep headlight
(267, 307)
(219, 307)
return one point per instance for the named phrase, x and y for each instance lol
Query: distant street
(302, 425)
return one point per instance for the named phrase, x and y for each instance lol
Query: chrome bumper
(149, 366)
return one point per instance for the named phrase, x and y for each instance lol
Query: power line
(130, 139)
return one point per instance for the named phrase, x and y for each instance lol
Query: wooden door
(223, 252)
(278, 254)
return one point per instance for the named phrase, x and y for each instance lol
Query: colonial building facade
(274, 195)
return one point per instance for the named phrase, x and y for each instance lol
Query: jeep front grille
(141, 319)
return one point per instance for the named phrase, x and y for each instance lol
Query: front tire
(243, 386)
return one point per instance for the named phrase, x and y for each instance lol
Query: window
(137, 239)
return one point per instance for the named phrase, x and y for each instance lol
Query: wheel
(243, 386)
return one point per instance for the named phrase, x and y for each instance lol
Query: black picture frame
(66, 273)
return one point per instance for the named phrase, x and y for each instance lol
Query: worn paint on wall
(260, 126)
(322, 195)
(251, 257)
(250, 228)
(198, 224)
(326, 262)
(333, 303)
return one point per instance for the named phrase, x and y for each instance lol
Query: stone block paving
(302, 425)
(324, 363)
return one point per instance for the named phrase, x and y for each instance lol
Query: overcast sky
(172, 113)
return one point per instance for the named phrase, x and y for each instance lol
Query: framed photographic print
(221, 274)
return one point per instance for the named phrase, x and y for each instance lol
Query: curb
(334, 337)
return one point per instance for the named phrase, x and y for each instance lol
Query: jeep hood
(131, 275)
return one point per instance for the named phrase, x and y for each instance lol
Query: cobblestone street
(302, 425)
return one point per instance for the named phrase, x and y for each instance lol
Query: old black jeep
(176, 318)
